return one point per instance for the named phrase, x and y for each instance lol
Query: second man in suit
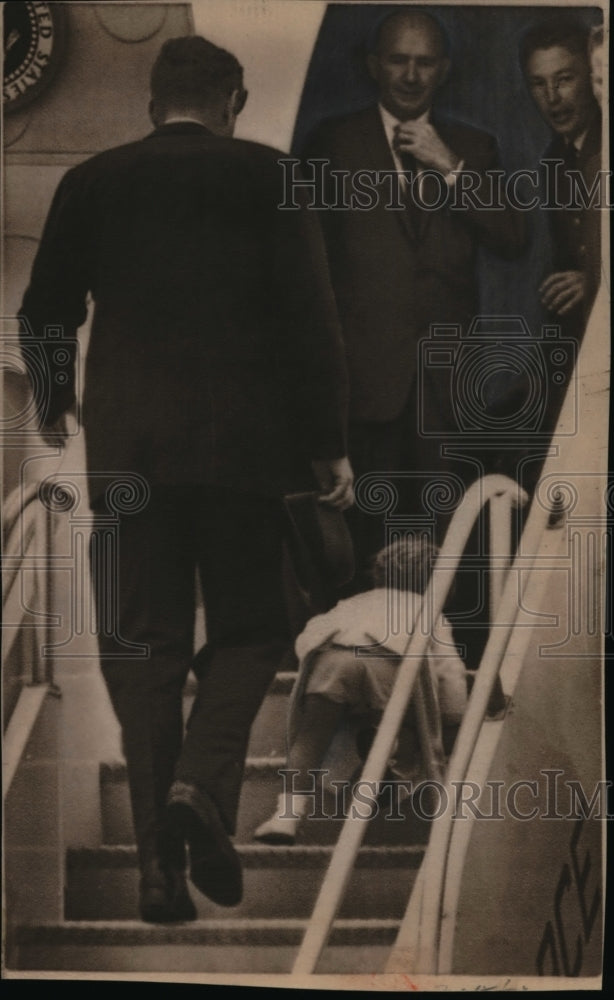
(396, 273)
(555, 58)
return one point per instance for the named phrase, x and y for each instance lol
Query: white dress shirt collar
(174, 119)
(578, 142)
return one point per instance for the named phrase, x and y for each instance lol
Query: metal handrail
(346, 849)
(18, 543)
(435, 861)
(29, 526)
(428, 725)
(517, 645)
(13, 508)
(417, 946)
(18, 596)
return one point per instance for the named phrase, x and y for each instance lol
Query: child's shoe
(282, 826)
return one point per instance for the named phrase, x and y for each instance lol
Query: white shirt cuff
(450, 178)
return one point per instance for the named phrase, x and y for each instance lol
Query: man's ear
(153, 113)
(373, 66)
(445, 70)
(240, 100)
(232, 107)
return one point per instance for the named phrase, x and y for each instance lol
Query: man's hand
(562, 291)
(421, 140)
(55, 435)
(336, 480)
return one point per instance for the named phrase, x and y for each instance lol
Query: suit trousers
(411, 478)
(146, 639)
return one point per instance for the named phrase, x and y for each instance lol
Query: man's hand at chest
(420, 139)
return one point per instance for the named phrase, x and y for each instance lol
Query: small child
(334, 682)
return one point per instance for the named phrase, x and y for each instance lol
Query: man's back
(204, 293)
(182, 214)
(215, 371)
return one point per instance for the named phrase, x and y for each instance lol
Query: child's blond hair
(406, 564)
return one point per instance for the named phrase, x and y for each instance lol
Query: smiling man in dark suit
(395, 273)
(555, 59)
(216, 375)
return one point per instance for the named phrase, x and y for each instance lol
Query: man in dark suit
(397, 272)
(555, 59)
(554, 54)
(216, 381)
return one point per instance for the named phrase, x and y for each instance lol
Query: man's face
(560, 84)
(597, 72)
(408, 67)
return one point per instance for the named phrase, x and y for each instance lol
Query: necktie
(411, 190)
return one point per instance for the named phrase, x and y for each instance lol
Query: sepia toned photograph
(306, 505)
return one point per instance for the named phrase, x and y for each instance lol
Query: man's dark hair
(564, 30)
(411, 14)
(193, 72)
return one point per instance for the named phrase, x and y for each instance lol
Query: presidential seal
(33, 42)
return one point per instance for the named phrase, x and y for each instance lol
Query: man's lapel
(592, 143)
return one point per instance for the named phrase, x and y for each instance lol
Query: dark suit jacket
(215, 351)
(391, 284)
(576, 231)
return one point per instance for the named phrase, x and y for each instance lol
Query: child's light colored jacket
(384, 618)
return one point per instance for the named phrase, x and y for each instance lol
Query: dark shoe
(215, 868)
(164, 896)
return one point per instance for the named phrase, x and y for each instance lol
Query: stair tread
(115, 770)
(257, 855)
(274, 931)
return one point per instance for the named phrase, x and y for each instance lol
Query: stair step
(235, 945)
(259, 792)
(280, 882)
(261, 785)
